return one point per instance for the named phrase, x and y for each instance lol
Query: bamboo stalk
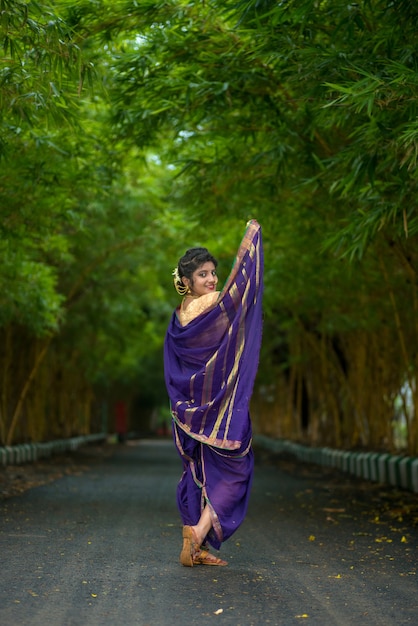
(338, 372)
(5, 381)
(38, 360)
(411, 423)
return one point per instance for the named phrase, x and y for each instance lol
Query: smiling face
(203, 281)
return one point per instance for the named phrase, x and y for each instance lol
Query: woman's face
(204, 280)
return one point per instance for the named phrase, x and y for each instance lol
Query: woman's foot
(193, 554)
(203, 557)
(190, 547)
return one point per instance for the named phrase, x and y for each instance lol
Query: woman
(210, 359)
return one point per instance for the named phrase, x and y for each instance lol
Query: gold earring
(181, 289)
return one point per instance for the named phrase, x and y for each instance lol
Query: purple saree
(210, 366)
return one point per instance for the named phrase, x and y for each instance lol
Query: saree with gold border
(210, 365)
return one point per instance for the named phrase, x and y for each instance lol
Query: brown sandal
(204, 557)
(190, 547)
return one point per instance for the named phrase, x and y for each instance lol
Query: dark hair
(192, 259)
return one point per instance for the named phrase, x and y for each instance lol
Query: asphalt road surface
(99, 546)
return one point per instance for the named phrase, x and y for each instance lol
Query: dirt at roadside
(16, 479)
(378, 501)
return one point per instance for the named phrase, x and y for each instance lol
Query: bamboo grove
(132, 130)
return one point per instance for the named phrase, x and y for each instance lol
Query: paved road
(100, 548)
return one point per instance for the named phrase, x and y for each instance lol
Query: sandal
(204, 557)
(190, 547)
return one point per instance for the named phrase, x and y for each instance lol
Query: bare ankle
(197, 535)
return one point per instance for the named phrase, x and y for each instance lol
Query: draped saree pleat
(210, 366)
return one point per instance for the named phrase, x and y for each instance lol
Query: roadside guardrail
(396, 470)
(29, 452)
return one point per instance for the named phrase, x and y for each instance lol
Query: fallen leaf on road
(218, 612)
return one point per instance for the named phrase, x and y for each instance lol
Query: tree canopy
(132, 130)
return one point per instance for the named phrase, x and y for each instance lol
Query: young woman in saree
(210, 360)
